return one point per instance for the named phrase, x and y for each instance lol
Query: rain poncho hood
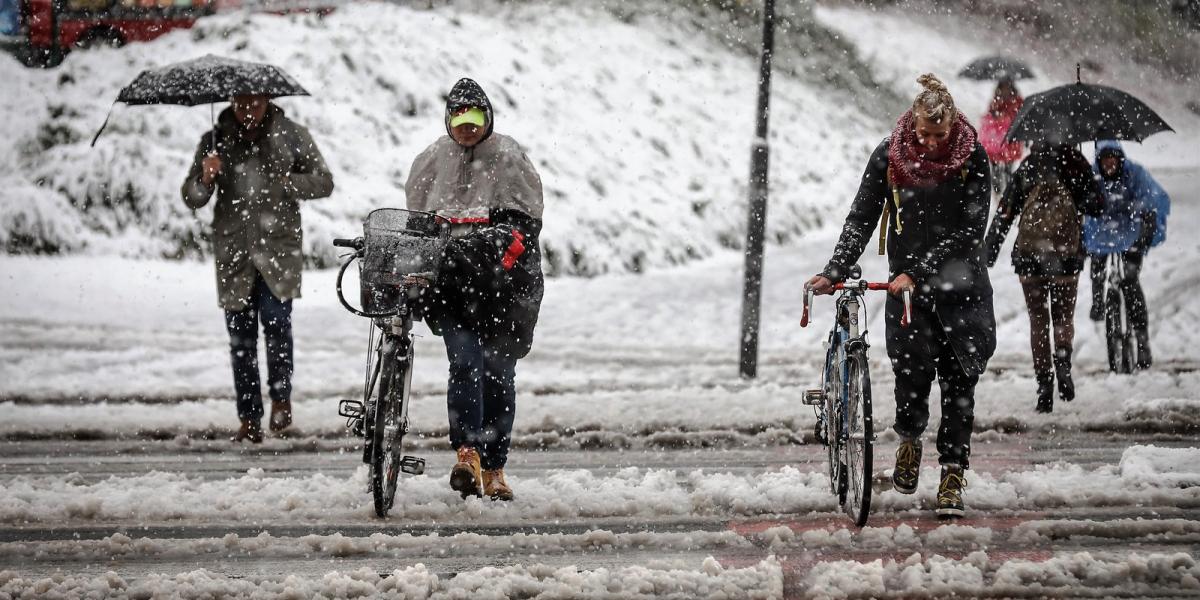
(468, 93)
(1130, 198)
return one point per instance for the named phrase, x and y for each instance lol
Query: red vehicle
(50, 28)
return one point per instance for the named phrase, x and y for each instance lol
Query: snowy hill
(639, 122)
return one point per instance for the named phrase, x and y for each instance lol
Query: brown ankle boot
(495, 487)
(251, 431)
(465, 477)
(281, 415)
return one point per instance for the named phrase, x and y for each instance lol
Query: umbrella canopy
(206, 80)
(1081, 112)
(996, 68)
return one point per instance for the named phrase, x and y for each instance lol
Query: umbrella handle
(103, 125)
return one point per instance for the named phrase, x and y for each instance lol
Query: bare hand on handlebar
(902, 283)
(820, 285)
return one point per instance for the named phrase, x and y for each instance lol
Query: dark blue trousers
(276, 318)
(481, 394)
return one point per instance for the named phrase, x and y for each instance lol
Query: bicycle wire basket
(398, 243)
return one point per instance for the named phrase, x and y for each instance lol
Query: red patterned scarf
(910, 167)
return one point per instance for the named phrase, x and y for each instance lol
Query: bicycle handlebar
(859, 286)
(354, 244)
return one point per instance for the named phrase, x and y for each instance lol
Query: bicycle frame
(381, 419)
(839, 404)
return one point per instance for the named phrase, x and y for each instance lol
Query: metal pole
(755, 232)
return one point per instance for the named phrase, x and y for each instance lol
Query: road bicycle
(1118, 333)
(843, 402)
(399, 256)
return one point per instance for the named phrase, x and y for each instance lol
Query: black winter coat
(940, 247)
(478, 288)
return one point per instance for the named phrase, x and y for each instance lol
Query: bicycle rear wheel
(389, 422)
(859, 438)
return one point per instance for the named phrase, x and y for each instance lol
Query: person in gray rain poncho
(261, 164)
(486, 300)
(1051, 192)
(928, 187)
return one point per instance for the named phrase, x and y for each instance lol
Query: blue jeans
(481, 395)
(276, 317)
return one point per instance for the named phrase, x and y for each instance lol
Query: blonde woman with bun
(928, 187)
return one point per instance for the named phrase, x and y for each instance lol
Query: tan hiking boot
(495, 487)
(251, 431)
(281, 415)
(465, 477)
(908, 466)
(949, 499)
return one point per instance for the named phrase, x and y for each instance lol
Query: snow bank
(977, 574)
(1163, 467)
(462, 545)
(644, 159)
(761, 581)
(554, 495)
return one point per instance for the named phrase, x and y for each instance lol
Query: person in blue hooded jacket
(1134, 220)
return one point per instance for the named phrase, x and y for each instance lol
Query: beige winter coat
(256, 219)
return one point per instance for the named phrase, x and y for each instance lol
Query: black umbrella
(206, 80)
(1082, 112)
(996, 68)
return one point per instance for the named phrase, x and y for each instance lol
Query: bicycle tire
(387, 429)
(856, 501)
(832, 392)
(1114, 332)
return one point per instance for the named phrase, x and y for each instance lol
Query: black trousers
(1131, 285)
(276, 317)
(920, 353)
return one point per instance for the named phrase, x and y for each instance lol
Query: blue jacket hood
(1103, 145)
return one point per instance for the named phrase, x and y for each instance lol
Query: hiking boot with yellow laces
(908, 466)
(495, 487)
(949, 498)
(465, 476)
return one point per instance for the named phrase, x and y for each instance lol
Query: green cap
(473, 115)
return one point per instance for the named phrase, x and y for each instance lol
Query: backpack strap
(887, 209)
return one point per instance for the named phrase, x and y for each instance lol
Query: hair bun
(930, 82)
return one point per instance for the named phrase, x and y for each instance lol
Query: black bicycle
(400, 253)
(843, 402)
(1118, 333)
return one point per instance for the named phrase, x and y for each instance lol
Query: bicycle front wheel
(858, 439)
(389, 422)
(1117, 333)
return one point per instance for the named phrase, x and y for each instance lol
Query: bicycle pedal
(351, 409)
(412, 465)
(813, 397)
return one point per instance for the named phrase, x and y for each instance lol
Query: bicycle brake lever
(808, 296)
